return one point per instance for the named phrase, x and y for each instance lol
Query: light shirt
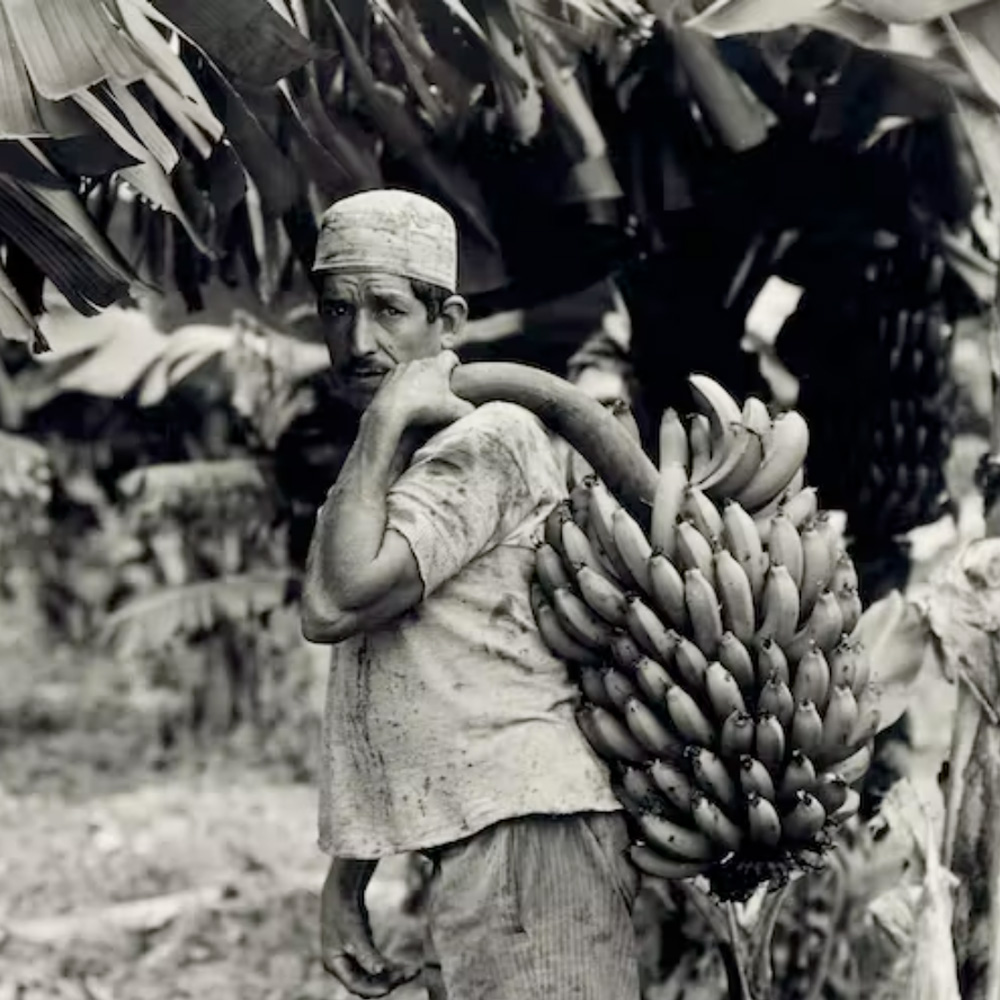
(457, 716)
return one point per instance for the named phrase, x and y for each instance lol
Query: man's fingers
(366, 984)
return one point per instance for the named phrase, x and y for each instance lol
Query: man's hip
(536, 907)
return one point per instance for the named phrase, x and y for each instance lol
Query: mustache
(363, 371)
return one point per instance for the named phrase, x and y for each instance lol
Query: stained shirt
(456, 716)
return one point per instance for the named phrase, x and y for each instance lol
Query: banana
(579, 500)
(715, 402)
(785, 448)
(603, 507)
(700, 442)
(831, 791)
(602, 596)
(745, 452)
(691, 665)
(776, 699)
(579, 470)
(850, 607)
(559, 640)
(577, 549)
(670, 487)
(801, 508)
(736, 738)
(779, 607)
(723, 692)
(649, 632)
(812, 679)
(712, 776)
(624, 651)
(755, 778)
(677, 841)
(673, 440)
(763, 821)
(769, 742)
(784, 547)
(579, 621)
(634, 551)
(855, 767)
(735, 596)
(655, 865)
(756, 415)
(799, 774)
(806, 732)
(605, 562)
(839, 722)
(701, 512)
(771, 661)
(828, 530)
(824, 628)
(549, 567)
(804, 820)
(618, 687)
(741, 538)
(673, 784)
(552, 530)
(667, 591)
(817, 568)
(688, 719)
(844, 576)
(640, 788)
(852, 803)
(653, 680)
(714, 823)
(591, 682)
(649, 731)
(608, 736)
(694, 551)
(868, 716)
(735, 657)
(703, 611)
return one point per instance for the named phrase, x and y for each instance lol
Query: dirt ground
(130, 877)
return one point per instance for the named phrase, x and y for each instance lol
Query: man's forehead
(364, 282)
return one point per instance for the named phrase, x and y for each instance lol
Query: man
(449, 727)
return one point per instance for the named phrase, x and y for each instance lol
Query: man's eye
(336, 309)
(388, 310)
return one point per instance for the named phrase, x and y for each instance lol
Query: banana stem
(739, 980)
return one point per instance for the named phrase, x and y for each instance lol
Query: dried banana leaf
(68, 47)
(913, 11)
(255, 43)
(19, 116)
(741, 17)
(144, 126)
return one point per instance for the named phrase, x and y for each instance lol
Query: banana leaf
(18, 162)
(913, 11)
(983, 129)
(68, 47)
(743, 17)
(144, 126)
(272, 172)
(405, 140)
(152, 622)
(16, 321)
(255, 43)
(19, 116)
(978, 58)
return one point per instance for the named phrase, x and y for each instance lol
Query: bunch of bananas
(719, 678)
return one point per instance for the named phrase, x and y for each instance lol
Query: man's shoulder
(503, 418)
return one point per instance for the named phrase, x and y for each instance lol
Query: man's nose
(362, 337)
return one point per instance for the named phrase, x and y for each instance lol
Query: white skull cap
(397, 232)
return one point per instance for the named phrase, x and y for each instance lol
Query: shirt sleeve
(466, 490)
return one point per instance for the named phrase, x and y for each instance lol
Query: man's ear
(454, 314)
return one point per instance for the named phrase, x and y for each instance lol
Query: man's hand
(418, 393)
(348, 951)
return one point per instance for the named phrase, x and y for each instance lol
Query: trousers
(534, 908)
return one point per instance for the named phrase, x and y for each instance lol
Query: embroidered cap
(393, 231)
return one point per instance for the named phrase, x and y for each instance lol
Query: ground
(128, 875)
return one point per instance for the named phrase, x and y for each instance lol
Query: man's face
(371, 323)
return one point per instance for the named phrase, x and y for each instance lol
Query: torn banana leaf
(255, 43)
(144, 126)
(978, 59)
(913, 11)
(68, 47)
(742, 17)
